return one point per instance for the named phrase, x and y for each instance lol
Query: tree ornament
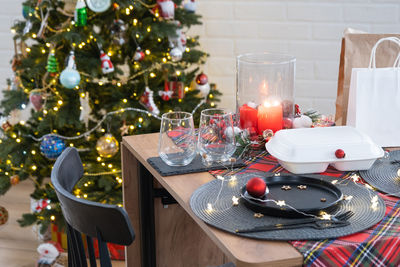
(106, 64)
(14, 180)
(166, 95)
(202, 85)
(139, 55)
(80, 13)
(98, 5)
(179, 38)
(28, 27)
(201, 79)
(118, 30)
(167, 8)
(6, 125)
(85, 109)
(107, 146)
(256, 187)
(147, 101)
(48, 255)
(124, 128)
(177, 88)
(70, 77)
(36, 98)
(52, 64)
(190, 6)
(176, 54)
(339, 153)
(52, 146)
(37, 205)
(302, 122)
(3, 215)
(26, 10)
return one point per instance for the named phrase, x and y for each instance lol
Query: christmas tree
(85, 74)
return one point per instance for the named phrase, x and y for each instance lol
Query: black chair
(107, 223)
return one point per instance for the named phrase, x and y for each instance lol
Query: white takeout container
(311, 150)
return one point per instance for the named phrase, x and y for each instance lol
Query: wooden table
(173, 235)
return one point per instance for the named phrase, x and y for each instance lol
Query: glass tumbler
(216, 139)
(177, 141)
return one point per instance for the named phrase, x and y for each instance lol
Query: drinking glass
(177, 142)
(216, 139)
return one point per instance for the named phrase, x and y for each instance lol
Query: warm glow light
(125, 100)
(235, 201)
(152, 75)
(281, 203)
(55, 108)
(135, 22)
(60, 102)
(52, 217)
(127, 11)
(140, 119)
(148, 29)
(34, 167)
(147, 52)
(119, 84)
(18, 140)
(178, 73)
(34, 35)
(209, 207)
(28, 49)
(33, 152)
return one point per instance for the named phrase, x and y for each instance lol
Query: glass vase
(265, 92)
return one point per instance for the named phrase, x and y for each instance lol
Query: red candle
(270, 116)
(248, 117)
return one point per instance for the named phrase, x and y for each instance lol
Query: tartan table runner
(376, 246)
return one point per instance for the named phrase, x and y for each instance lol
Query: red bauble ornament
(340, 153)
(256, 187)
(201, 79)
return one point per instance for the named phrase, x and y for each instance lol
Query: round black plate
(306, 200)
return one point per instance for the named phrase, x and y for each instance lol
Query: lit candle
(270, 116)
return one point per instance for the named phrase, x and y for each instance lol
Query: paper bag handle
(372, 60)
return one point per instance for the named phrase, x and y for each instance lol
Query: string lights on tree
(84, 67)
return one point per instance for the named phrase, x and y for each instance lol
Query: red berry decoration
(340, 153)
(201, 79)
(256, 187)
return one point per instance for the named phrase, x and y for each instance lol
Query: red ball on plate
(256, 187)
(339, 153)
(201, 79)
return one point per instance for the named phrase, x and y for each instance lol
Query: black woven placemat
(195, 166)
(383, 174)
(227, 217)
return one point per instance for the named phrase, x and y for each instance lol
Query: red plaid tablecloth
(377, 246)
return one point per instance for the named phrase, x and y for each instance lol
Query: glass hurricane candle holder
(265, 92)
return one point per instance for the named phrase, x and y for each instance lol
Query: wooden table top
(242, 251)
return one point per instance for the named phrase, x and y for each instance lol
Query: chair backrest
(90, 218)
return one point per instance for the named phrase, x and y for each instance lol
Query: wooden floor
(18, 245)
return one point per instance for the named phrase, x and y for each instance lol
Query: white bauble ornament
(204, 89)
(229, 132)
(98, 5)
(302, 122)
(190, 6)
(176, 54)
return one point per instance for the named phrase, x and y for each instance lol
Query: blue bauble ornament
(70, 78)
(52, 147)
(26, 10)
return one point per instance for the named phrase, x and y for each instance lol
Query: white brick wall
(311, 30)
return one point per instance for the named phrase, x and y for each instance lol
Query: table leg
(147, 223)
